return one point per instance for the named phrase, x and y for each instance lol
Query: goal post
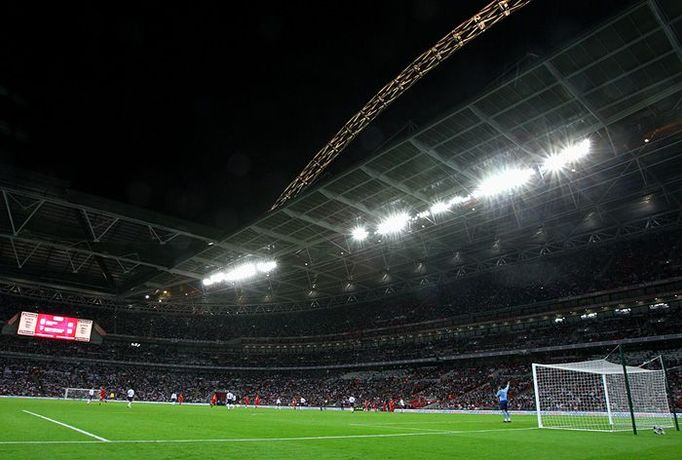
(78, 393)
(600, 395)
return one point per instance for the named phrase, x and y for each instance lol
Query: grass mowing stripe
(87, 433)
(295, 438)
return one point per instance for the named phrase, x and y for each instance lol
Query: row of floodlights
(617, 311)
(241, 272)
(503, 182)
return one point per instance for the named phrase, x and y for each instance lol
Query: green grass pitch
(152, 431)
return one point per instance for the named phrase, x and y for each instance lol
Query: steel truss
(628, 230)
(22, 207)
(591, 124)
(490, 15)
(582, 200)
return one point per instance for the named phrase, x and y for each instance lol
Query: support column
(627, 390)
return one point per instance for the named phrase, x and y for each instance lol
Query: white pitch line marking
(393, 427)
(492, 430)
(298, 438)
(67, 426)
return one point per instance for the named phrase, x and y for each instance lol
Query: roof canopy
(620, 85)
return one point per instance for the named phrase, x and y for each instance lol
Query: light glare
(567, 156)
(439, 208)
(503, 182)
(241, 272)
(393, 224)
(360, 233)
(266, 267)
(458, 200)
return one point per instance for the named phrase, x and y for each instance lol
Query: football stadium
(501, 278)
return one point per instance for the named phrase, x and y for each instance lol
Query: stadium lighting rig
(360, 233)
(241, 272)
(508, 180)
(568, 155)
(393, 224)
(503, 182)
(439, 208)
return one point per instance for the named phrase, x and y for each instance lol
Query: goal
(602, 396)
(78, 393)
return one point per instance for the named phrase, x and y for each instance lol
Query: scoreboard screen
(54, 327)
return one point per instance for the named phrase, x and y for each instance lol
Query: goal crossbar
(598, 366)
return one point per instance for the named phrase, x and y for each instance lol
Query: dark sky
(206, 110)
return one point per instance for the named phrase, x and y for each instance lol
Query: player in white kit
(229, 400)
(91, 394)
(131, 396)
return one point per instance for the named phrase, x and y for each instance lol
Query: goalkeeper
(504, 402)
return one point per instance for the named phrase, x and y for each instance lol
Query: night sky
(206, 110)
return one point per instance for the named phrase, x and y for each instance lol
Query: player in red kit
(293, 403)
(214, 399)
(181, 399)
(256, 401)
(102, 395)
(246, 401)
(391, 405)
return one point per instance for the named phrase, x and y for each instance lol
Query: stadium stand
(432, 354)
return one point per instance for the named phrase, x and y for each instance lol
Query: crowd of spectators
(470, 385)
(405, 330)
(543, 331)
(602, 267)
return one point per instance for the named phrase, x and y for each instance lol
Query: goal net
(593, 395)
(79, 393)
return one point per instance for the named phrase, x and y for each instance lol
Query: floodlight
(393, 224)
(217, 277)
(241, 272)
(359, 233)
(458, 200)
(266, 267)
(439, 208)
(504, 181)
(567, 156)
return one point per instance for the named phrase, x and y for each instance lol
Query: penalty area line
(86, 433)
(444, 430)
(247, 440)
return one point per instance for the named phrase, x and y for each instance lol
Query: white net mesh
(79, 393)
(591, 395)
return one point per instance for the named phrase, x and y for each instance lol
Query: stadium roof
(52, 236)
(620, 85)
